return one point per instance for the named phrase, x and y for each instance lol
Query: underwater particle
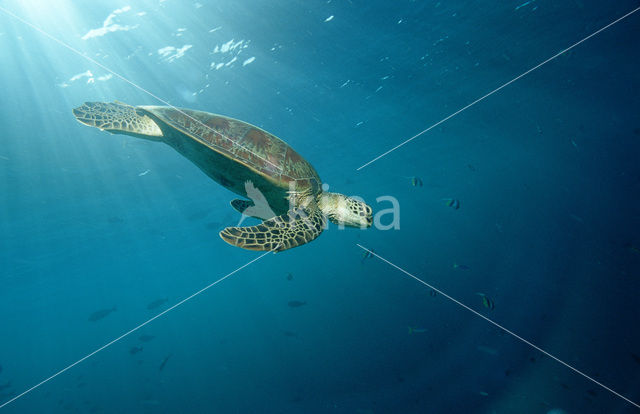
(416, 181)
(487, 302)
(110, 25)
(157, 303)
(592, 392)
(522, 5)
(461, 266)
(135, 349)
(483, 393)
(246, 62)
(413, 329)
(452, 202)
(328, 19)
(198, 215)
(100, 314)
(296, 303)
(146, 338)
(164, 362)
(289, 276)
(577, 218)
(636, 358)
(290, 334)
(472, 167)
(145, 172)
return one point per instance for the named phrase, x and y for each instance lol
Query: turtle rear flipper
(279, 233)
(118, 118)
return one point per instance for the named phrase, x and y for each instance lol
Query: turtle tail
(118, 118)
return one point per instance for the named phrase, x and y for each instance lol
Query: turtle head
(345, 211)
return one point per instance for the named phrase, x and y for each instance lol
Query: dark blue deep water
(546, 172)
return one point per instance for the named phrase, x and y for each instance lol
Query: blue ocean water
(100, 233)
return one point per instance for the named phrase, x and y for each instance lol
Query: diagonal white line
(497, 89)
(131, 331)
(95, 62)
(497, 325)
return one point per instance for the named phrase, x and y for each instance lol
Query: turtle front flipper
(279, 233)
(241, 205)
(118, 118)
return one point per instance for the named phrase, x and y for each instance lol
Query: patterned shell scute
(237, 139)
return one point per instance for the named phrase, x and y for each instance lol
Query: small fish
(487, 302)
(472, 167)
(487, 350)
(157, 303)
(416, 330)
(634, 249)
(214, 225)
(461, 266)
(432, 293)
(296, 303)
(5, 386)
(164, 362)
(483, 393)
(146, 338)
(289, 276)
(144, 173)
(416, 181)
(290, 334)
(452, 202)
(135, 349)
(367, 255)
(636, 358)
(100, 314)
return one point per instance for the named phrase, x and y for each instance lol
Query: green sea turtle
(286, 190)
